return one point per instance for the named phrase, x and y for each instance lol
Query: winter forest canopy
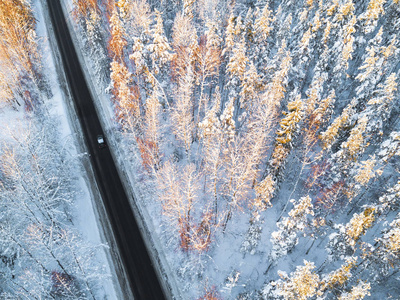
(267, 134)
(271, 123)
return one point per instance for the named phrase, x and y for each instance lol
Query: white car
(100, 141)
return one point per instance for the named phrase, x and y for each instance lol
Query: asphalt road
(141, 274)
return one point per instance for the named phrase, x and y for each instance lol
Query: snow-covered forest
(264, 137)
(268, 137)
(44, 254)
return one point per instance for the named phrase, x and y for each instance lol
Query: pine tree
(259, 30)
(124, 7)
(213, 141)
(341, 24)
(390, 147)
(251, 85)
(230, 36)
(345, 10)
(391, 49)
(227, 123)
(329, 136)
(389, 201)
(213, 38)
(375, 65)
(248, 30)
(380, 106)
(357, 292)
(262, 24)
(313, 95)
(84, 8)
(187, 8)
(289, 124)
(239, 27)
(344, 47)
(369, 65)
(153, 130)
(242, 157)
(316, 23)
(343, 242)
(159, 48)
(127, 103)
(173, 201)
(277, 87)
(208, 61)
(359, 224)
(305, 41)
(333, 7)
(178, 194)
(388, 250)
(210, 125)
(371, 16)
(348, 41)
(208, 9)
(316, 113)
(285, 26)
(236, 67)
(301, 284)
(185, 46)
(355, 144)
(189, 189)
(182, 112)
(138, 57)
(278, 159)
(136, 15)
(320, 116)
(327, 31)
(117, 42)
(264, 191)
(285, 238)
(339, 277)
(366, 171)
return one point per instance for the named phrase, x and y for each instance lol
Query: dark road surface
(142, 277)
